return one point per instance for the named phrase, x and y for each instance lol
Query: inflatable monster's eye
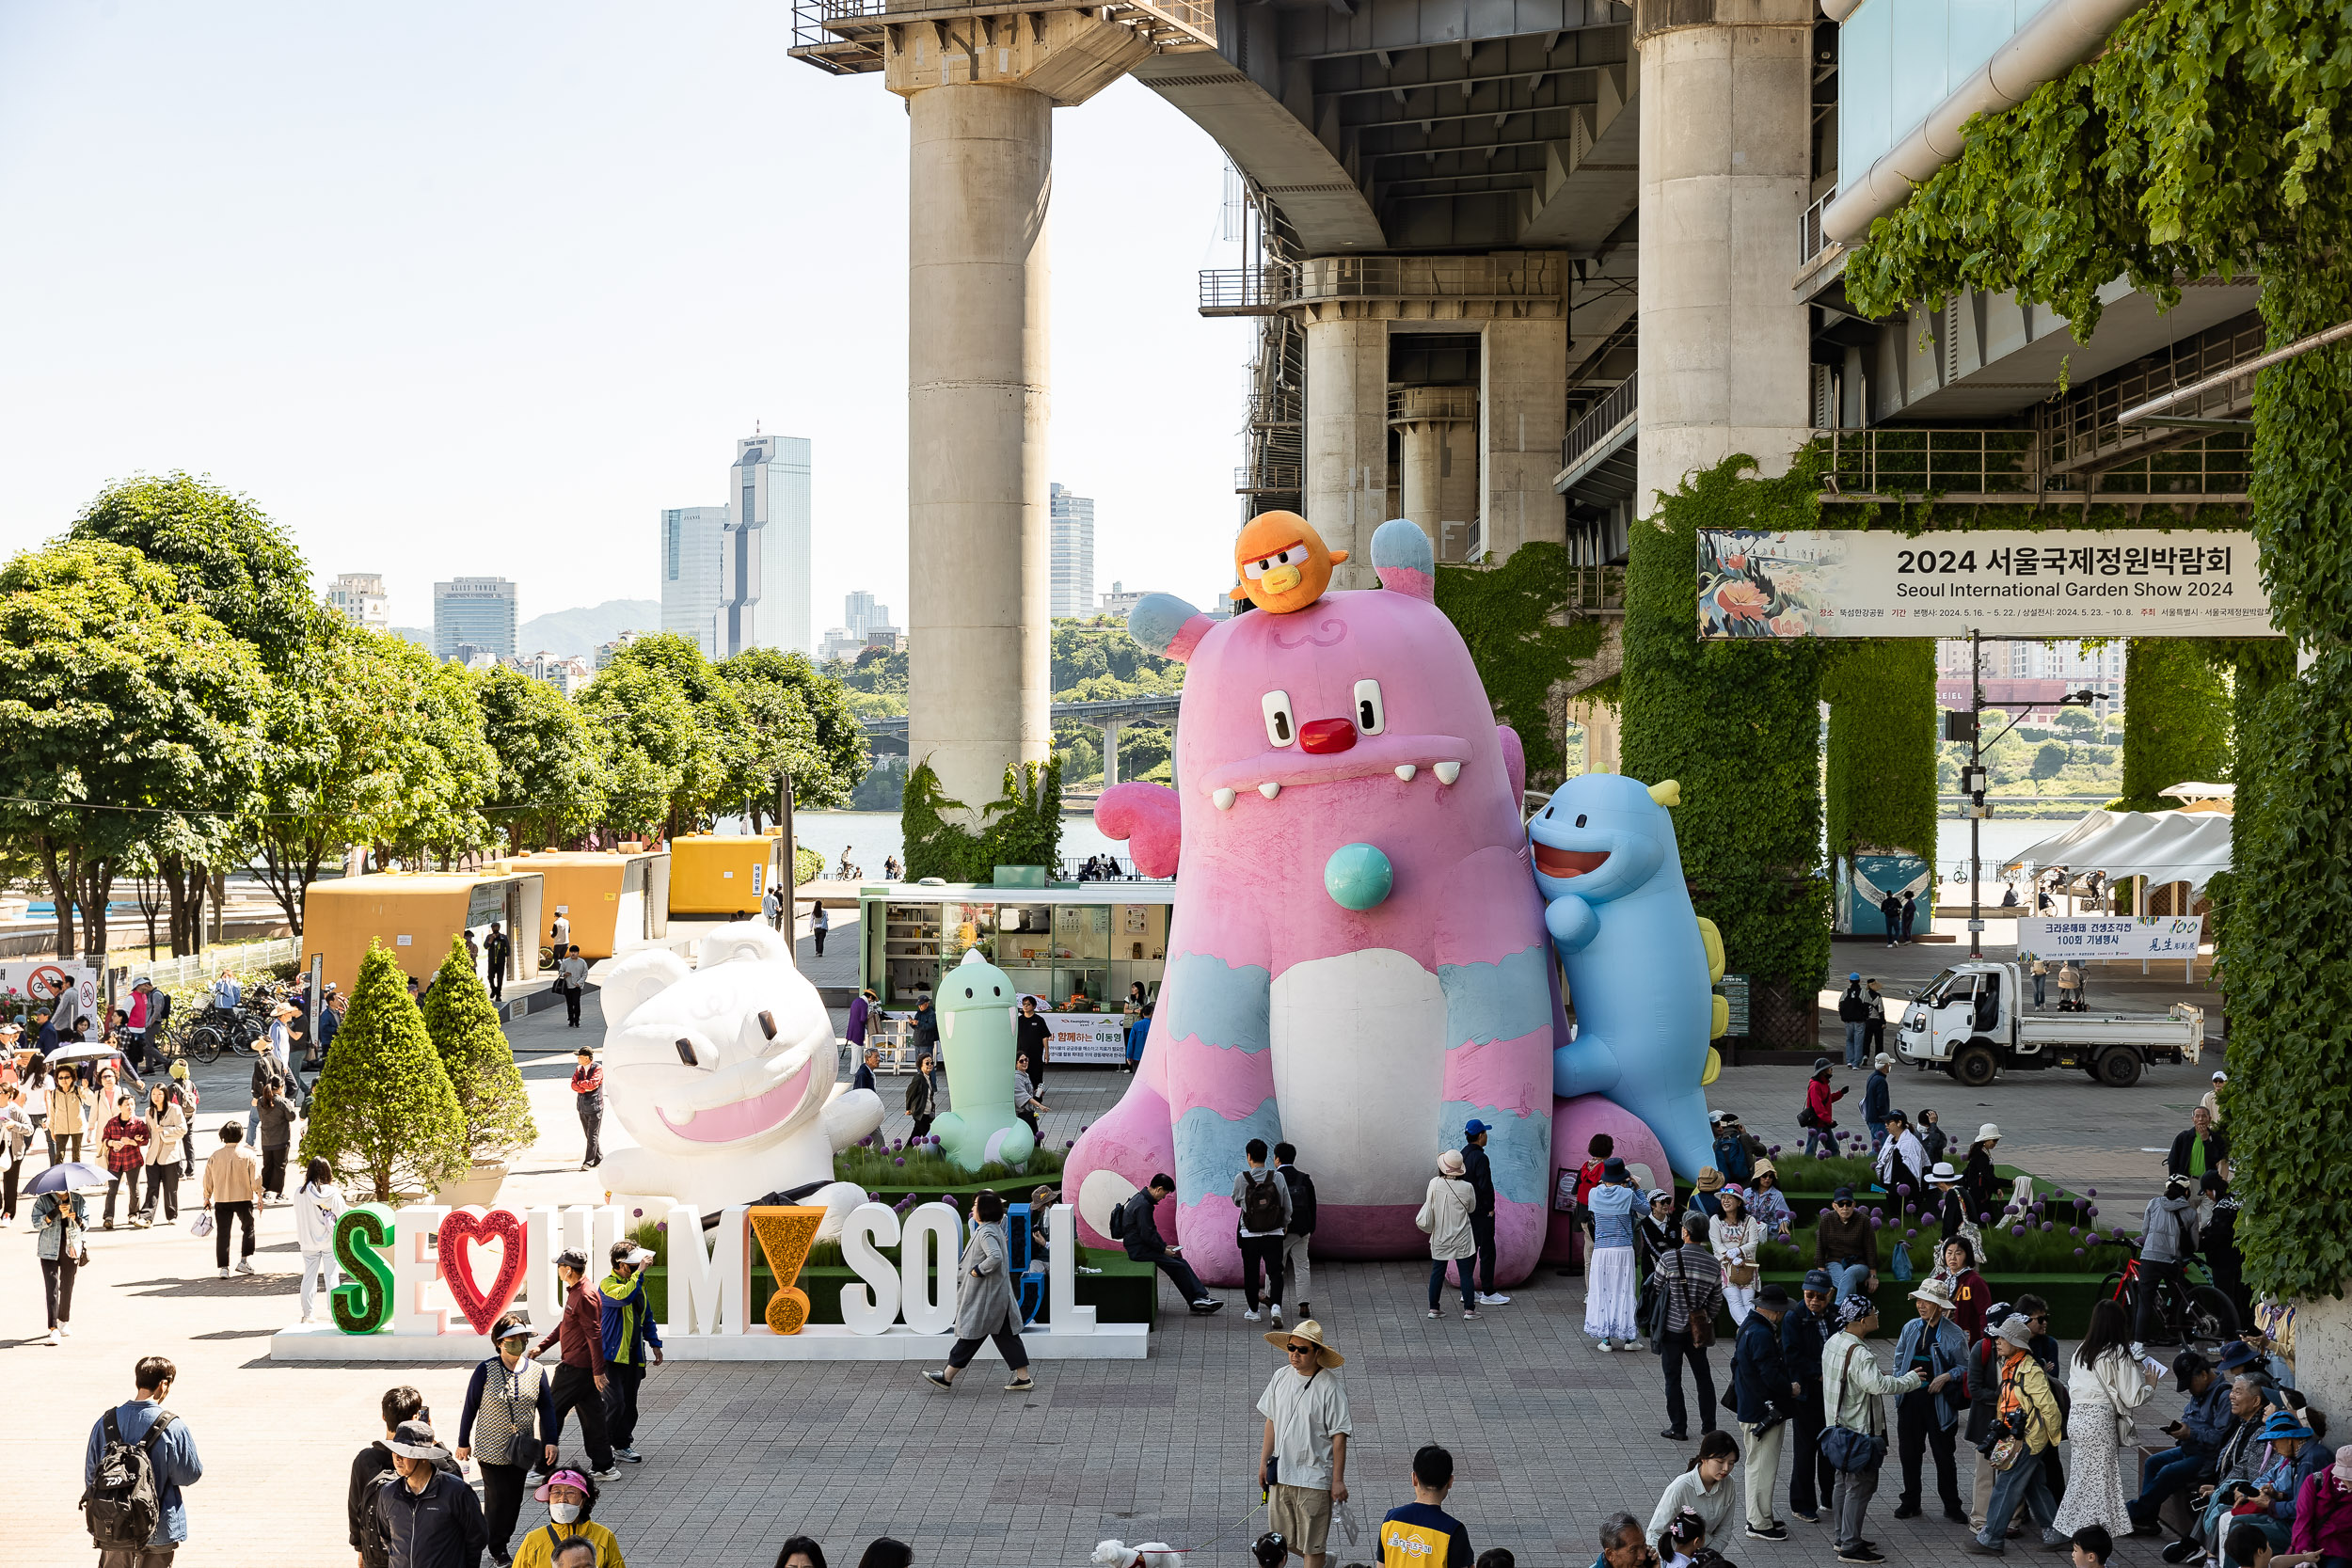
(1281, 730)
(995, 990)
(1294, 556)
(1370, 718)
(1580, 821)
(1547, 811)
(685, 1052)
(967, 990)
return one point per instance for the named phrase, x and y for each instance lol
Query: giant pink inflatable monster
(1357, 962)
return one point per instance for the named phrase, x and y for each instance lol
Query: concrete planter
(478, 1186)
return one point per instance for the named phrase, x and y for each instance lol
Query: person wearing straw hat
(1302, 1458)
(1933, 1346)
(508, 1424)
(1766, 1203)
(1706, 1193)
(427, 1515)
(1978, 1181)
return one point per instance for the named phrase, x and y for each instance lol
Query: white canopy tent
(2163, 846)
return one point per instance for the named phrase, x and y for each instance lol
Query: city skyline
(1073, 553)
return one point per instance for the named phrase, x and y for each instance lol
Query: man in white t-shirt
(571, 975)
(1306, 1436)
(561, 940)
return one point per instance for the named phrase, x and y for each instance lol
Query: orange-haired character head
(1282, 561)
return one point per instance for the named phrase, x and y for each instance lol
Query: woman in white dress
(2105, 1385)
(1609, 1318)
(1736, 1240)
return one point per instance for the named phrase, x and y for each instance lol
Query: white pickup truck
(1967, 1021)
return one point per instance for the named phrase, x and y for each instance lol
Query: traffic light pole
(1976, 769)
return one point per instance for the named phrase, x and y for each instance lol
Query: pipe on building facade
(2065, 33)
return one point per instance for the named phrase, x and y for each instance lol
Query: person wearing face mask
(570, 1497)
(508, 1423)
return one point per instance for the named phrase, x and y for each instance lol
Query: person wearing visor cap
(427, 1515)
(508, 1424)
(630, 1335)
(571, 1498)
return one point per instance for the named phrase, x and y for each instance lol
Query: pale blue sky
(463, 288)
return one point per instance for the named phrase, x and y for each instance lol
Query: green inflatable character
(975, 1002)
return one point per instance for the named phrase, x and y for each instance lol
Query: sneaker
(306, 1316)
(2181, 1551)
(2052, 1540)
(1809, 1518)
(1861, 1551)
(1604, 1346)
(1469, 1314)
(1673, 1436)
(224, 1274)
(1491, 1298)
(65, 1329)
(108, 1225)
(1774, 1531)
(1435, 1314)
(1253, 1315)
(1907, 1510)
(1207, 1304)
(938, 1378)
(1020, 1385)
(2139, 1350)
(1303, 1313)
(608, 1473)
(1274, 1315)
(629, 1456)
(245, 1266)
(1979, 1548)
(52, 1339)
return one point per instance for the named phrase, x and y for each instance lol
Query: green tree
(705, 770)
(796, 720)
(383, 1114)
(647, 745)
(128, 719)
(226, 554)
(550, 781)
(876, 670)
(1881, 762)
(2050, 761)
(465, 1030)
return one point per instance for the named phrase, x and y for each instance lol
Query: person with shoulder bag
(508, 1425)
(2108, 1386)
(921, 1099)
(2026, 1425)
(1445, 1218)
(1682, 1323)
(1853, 1390)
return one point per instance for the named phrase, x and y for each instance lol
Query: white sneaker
(1274, 1315)
(1251, 1316)
(1488, 1298)
(65, 1329)
(1604, 1346)
(245, 1266)
(1435, 1314)
(224, 1274)
(52, 1339)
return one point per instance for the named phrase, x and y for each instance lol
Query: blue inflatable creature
(1640, 964)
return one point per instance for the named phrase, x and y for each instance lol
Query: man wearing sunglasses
(1302, 1459)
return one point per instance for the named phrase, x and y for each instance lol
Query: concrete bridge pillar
(1726, 159)
(1110, 754)
(1438, 456)
(980, 94)
(1523, 419)
(1347, 438)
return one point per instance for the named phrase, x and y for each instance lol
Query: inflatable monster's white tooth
(1223, 798)
(1405, 770)
(1269, 789)
(1447, 771)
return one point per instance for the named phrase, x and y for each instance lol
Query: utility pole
(1974, 784)
(791, 848)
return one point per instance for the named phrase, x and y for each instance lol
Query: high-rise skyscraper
(478, 612)
(360, 598)
(691, 538)
(1073, 554)
(861, 613)
(736, 576)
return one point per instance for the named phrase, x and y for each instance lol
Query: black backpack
(1118, 1223)
(122, 1504)
(1262, 1206)
(1302, 1201)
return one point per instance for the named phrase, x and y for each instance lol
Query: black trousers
(164, 1179)
(498, 982)
(502, 1491)
(817, 936)
(571, 1005)
(1674, 1349)
(57, 1288)
(1483, 1233)
(222, 1214)
(1261, 1254)
(575, 1388)
(274, 1170)
(1008, 1345)
(1917, 1428)
(922, 1125)
(620, 1402)
(1810, 1477)
(591, 1120)
(115, 1183)
(8, 1187)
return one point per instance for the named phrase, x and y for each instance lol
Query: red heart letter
(462, 1227)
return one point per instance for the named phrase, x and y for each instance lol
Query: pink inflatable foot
(1573, 1124)
(1117, 1156)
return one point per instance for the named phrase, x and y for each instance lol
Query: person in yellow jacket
(2030, 1411)
(570, 1497)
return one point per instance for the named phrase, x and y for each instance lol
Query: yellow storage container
(615, 898)
(724, 874)
(416, 913)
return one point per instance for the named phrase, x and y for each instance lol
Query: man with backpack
(1301, 1230)
(1854, 1012)
(1263, 1199)
(1134, 1227)
(138, 1458)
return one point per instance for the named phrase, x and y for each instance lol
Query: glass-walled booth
(1078, 948)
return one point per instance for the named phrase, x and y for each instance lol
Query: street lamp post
(1973, 781)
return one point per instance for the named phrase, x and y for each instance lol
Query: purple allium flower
(637, 1214)
(2048, 1225)
(2078, 1252)
(2091, 1192)
(900, 1164)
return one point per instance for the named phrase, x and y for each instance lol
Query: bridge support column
(1110, 754)
(1726, 105)
(980, 94)
(1347, 438)
(1523, 418)
(1437, 458)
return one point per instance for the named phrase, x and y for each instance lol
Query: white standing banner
(2056, 583)
(2111, 936)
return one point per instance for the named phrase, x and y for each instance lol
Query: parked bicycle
(2192, 1316)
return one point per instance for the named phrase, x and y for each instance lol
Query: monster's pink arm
(1146, 816)
(1514, 764)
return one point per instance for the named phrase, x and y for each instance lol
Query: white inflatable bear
(725, 1075)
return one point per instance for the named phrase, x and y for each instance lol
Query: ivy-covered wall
(1879, 778)
(2207, 139)
(1509, 616)
(2176, 721)
(1022, 825)
(1738, 723)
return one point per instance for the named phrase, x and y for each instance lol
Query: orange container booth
(724, 874)
(615, 898)
(414, 913)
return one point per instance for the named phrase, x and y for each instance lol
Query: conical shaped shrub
(464, 1029)
(383, 1114)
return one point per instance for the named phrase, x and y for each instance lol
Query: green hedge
(1739, 725)
(1510, 617)
(1880, 771)
(1021, 825)
(2176, 721)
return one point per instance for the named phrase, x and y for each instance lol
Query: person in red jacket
(580, 1378)
(1821, 1101)
(588, 1090)
(1588, 1175)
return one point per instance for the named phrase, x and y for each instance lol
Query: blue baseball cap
(2236, 1355)
(2284, 1423)
(1474, 1128)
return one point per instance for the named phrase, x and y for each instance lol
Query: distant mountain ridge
(578, 632)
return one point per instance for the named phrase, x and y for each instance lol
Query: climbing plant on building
(1879, 774)
(1021, 827)
(1513, 619)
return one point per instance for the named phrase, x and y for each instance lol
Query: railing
(1244, 291)
(1597, 588)
(1811, 242)
(1261, 479)
(1503, 275)
(2006, 465)
(1431, 403)
(820, 22)
(1604, 417)
(2081, 428)
(244, 956)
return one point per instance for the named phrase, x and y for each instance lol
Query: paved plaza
(1550, 1436)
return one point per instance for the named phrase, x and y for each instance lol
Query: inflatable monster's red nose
(1322, 735)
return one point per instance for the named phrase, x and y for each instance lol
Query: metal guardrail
(1599, 419)
(1597, 588)
(1503, 275)
(845, 35)
(2084, 430)
(2006, 465)
(1811, 242)
(1431, 403)
(1244, 291)
(168, 973)
(1276, 478)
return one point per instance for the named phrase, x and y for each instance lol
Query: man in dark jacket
(1480, 1176)
(581, 1380)
(1891, 910)
(1763, 1391)
(2200, 1147)
(2197, 1440)
(1139, 1233)
(1852, 1012)
(927, 1030)
(429, 1518)
(1805, 1332)
(1876, 1098)
(1031, 1035)
(496, 949)
(369, 1469)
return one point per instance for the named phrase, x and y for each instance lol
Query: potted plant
(383, 1114)
(465, 1032)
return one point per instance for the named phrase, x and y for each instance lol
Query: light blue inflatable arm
(1571, 922)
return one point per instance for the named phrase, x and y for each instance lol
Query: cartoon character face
(971, 987)
(1283, 565)
(1601, 835)
(731, 1057)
